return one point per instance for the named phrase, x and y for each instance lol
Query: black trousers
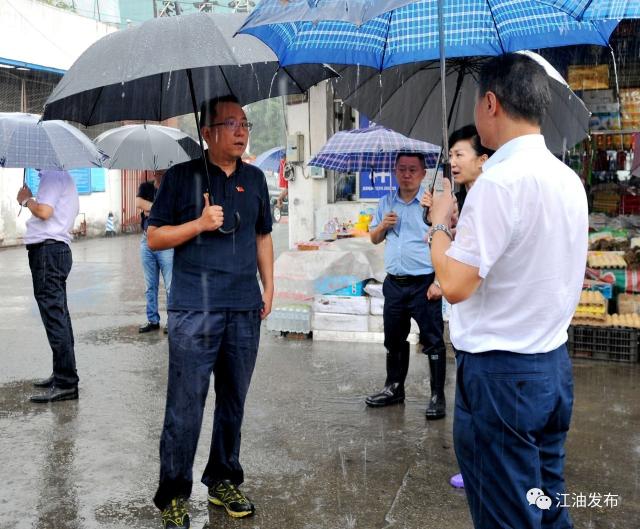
(404, 300)
(50, 263)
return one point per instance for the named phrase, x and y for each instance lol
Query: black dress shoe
(390, 394)
(54, 394)
(436, 408)
(43, 382)
(149, 327)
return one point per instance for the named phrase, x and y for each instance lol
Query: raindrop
(275, 74)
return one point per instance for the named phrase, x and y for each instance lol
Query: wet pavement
(314, 456)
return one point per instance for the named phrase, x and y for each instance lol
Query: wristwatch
(439, 227)
(26, 201)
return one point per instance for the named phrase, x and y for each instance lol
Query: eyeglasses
(232, 124)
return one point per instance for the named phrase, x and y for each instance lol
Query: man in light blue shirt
(409, 288)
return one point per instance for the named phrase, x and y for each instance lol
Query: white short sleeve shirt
(58, 190)
(525, 227)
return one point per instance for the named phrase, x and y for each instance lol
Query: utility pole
(155, 9)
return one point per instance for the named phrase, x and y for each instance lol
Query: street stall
(321, 285)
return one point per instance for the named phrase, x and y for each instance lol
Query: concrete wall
(307, 194)
(95, 207)
(37, 33)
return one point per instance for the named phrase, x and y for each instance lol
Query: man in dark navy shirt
(215, 307)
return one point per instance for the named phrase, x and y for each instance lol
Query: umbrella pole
(446, 167)
(204, 159)
(200, 140)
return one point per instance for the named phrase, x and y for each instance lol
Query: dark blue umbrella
(270, 160)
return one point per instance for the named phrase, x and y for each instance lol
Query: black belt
(46, 242)
(408, 280)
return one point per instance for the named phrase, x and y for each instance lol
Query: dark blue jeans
(153, 264)
(224, 343)
(50, 265)
(511, 420)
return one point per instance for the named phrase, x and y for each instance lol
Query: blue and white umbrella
(371, 149)
(270, 160)
(597, 9)
(25, 141)
(411, 33)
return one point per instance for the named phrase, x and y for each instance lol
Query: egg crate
(603, 343)
(606, 260)
(593, 305)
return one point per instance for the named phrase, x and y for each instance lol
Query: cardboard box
(377, 306)
(340, 322)
(607, 121)
(628, 304)
(341, 304)
(604, 108)
(588, 77)
(597, 97)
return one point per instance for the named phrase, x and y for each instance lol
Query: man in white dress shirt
(514, 274)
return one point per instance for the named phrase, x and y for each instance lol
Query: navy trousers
(224, 343)
(50, 263)
(511, 420)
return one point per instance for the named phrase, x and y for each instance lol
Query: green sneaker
(175, 515)
(226, 494)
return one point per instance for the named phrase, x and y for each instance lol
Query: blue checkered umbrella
(423, 30)
(371, 149)
(270, 160)
(25, 141)
(597, 9)
(411, 33)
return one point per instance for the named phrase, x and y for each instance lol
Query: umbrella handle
(446, 173)
(234, 228)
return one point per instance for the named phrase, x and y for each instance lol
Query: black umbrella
(169, 66)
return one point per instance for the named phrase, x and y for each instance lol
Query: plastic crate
(603, 343)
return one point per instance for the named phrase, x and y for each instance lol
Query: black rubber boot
(436, 408)
(393, 391)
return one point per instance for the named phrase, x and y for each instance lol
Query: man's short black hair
(520, 84)
(208, 109)
(418, 155)
(470, 134)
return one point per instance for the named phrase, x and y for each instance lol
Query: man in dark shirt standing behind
(215, 308)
